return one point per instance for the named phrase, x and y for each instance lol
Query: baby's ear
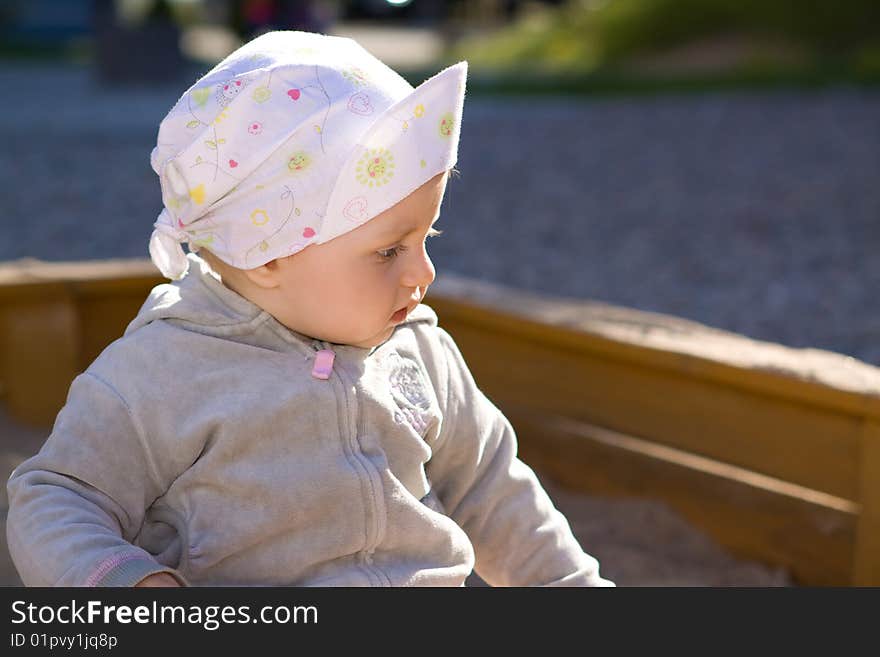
(265, 276)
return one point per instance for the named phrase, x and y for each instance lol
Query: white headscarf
(294, 139)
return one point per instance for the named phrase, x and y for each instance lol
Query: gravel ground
(751, 212)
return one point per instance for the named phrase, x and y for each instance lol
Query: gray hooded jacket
(200, 444)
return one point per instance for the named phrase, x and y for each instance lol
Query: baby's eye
(393, 252)
(386, 255)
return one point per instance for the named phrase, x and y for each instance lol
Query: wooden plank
(663, 342)
(867, 548)
(750, 429)
(770, 449)
(57, 318)
(17, 273)
(41, 345)
(809, 446)
(105, 309)
(760, 518)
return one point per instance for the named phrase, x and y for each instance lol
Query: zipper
(365, 556)
(379, 511)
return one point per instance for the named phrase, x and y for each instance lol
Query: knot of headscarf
(165, 247)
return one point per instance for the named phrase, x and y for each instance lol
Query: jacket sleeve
(519, 537)
(77, 505)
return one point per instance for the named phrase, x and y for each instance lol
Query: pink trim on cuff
(109, 564)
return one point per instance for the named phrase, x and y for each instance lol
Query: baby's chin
(356, 341)
(374, 341)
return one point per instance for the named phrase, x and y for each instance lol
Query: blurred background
(718, 160)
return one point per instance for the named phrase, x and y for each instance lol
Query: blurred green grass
(654, 45)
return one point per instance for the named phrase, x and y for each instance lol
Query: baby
(287, 411)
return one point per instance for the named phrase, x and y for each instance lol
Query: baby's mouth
(400, 314)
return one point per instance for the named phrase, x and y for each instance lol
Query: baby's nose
(420, 273)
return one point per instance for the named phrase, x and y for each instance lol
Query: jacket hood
(200, 302)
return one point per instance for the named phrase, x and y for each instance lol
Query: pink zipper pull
(323, 364)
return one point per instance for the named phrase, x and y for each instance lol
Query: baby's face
(349, 290)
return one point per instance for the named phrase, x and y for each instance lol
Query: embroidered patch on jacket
(410, 391)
